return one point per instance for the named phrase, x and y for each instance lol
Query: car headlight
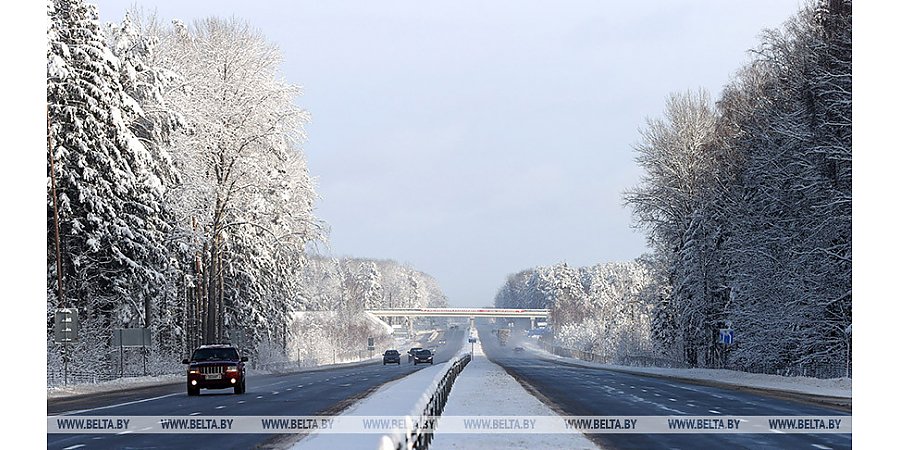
(194, 370)
(231, 369)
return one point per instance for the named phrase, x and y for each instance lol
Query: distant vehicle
(412, 353)
(391, 356)
(454, 326)
(442, 342)
(518, 349)
(217, 366)
(423, 356)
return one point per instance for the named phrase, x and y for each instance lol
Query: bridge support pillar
(532, 323)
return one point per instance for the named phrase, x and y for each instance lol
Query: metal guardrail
(817, 369)
(417, 438)
(624, 360)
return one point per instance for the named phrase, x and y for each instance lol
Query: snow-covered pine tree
(111, 229)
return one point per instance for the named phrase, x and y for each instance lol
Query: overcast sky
(474, 139)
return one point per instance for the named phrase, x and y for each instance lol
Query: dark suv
(216, 366)
(423, 356)
(412, 353)
(391, 356)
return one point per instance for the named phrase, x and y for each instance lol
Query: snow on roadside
(397, 398)
(111, 385)
(834, 387)
(485, 389)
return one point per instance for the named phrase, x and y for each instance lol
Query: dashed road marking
(275, 392)
(241, 401)
(194, 413)
(692, 405)
(259, 396)
(823, 447)
(672, 400)
(220, 407)
(290, 389)
(124, 432)
(714, 411)
(344, 385)
(73, 447)
(299, 385)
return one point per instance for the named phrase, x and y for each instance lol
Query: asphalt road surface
(582, 391)
(316, 392)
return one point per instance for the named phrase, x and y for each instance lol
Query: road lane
(316, 392)
(582, 391)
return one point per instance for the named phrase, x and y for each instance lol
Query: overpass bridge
(470, 313)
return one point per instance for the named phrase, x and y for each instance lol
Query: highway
(585, 391)
(315, 392)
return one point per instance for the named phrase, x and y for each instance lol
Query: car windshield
(424, 353)
(215, 354)
(392, 352)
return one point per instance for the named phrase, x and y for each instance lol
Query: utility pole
(59, 272)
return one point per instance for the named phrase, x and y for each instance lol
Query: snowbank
(112, 385)
(403, 397)
(485, 389)
(834, 387)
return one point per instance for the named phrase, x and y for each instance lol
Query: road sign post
(65, 331)
(130, 337)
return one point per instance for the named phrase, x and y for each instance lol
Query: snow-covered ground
(397, 398)
(111, 385)
(485, 389)
(834, 387)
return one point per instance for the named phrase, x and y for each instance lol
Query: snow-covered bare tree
(245, 194)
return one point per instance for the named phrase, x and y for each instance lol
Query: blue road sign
(726, 336)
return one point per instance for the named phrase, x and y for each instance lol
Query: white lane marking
(299, 385)
(643, 390)
(290, 389)
(194, 413)
(821, 446)
(116, 405)
(124, 432)
(73, 447)
(259, 396)
(692, 405)
(672, 400)
(657, 395)
(97, 438)
(714, 411)
(241, 401)
(632, 387)
(275, 392)
(344, 385)
(220, 407)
